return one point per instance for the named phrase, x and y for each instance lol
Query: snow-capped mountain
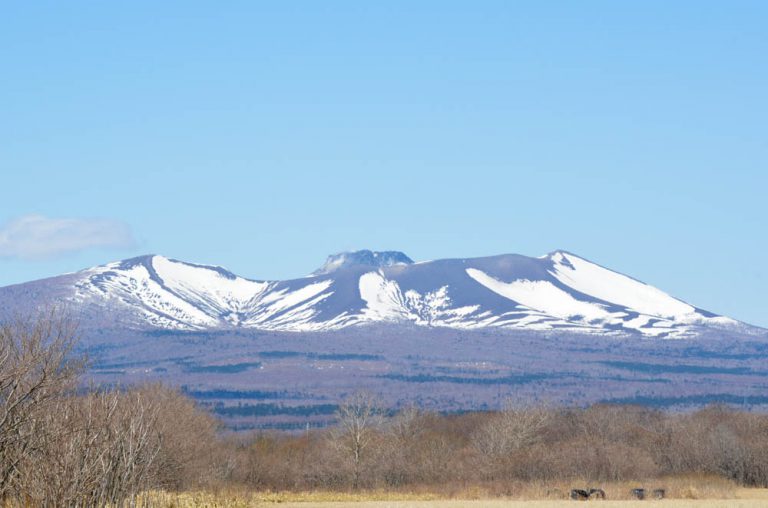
(559, 291)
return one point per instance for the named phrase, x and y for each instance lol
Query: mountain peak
(559, 253)
(144, 259)
(364, 257)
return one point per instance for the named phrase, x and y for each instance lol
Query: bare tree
(406, 426)
(402, 439)
(514, 428)
(358, 419)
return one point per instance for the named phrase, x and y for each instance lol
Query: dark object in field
(638, 493)
(579, 494)
(596, 494)
(659, 493)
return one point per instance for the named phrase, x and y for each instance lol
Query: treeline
(61, 445)
(516, 445)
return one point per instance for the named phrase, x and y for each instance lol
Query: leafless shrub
(35, 369)
(191, 454)
(96, 448)
(100, 450)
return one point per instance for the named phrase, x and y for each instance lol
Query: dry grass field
(477, 503)
(737, 498)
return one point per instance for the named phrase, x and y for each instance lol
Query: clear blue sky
(263, 136)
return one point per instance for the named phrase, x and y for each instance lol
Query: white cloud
(39, 237)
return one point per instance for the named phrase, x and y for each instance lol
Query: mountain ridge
(559, 291)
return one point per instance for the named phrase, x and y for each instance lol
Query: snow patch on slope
(542, 296)
(173, 294)
(383, 298)
(385, 301)
(292, 310)
(135, 285)
(604, 284)
(207, 286)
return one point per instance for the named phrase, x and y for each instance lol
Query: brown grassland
(735, 498)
